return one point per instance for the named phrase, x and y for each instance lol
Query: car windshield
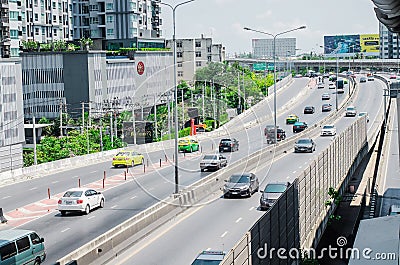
(73, 193)
(183, 141)
(123, 154)
(275, 188)
(350, 108)
(362, 114)
(239, 179)
(328, 127)
(206, 262)
(225, 141)
(304, 141)
(210, 157)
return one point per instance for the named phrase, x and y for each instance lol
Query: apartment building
(11, 115)
(389, 47)
(264, 48)
(194, 53)
(113, 24)
(33, 20)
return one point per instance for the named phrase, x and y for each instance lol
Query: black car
(228, 145)
(299, 126)
(244, 184)
(309, 110)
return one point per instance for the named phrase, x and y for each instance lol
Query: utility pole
(83, 116)
(61, 118)
(244, 93)
(239, 106)
(111, 129)
(204, 91)
(115, 125)
(183, 111)
(89, 116)
(34, 142)
(155, 113)
(101, 132)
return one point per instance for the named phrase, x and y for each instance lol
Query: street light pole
(173, 8)
(337, 76)
(274, 55)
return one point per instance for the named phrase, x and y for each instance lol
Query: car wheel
(102, 203)
(37, 261)
(133, 163)
(191, 150)
(142, 162)
(87, 209)
(63, 213)
(201, 169)
(250, 192)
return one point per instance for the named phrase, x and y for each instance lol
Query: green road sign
(259, 66)
(270, 67)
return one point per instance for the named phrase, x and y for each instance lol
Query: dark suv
(309, 110)
(228, 145)
(299, 126)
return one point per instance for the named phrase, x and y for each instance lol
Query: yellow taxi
(291, 119)
(188, 145)
(127, 158)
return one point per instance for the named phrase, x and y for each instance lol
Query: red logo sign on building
(140, 68)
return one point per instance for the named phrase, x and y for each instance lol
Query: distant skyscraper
(264, 48)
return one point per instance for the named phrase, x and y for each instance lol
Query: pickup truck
(213, 161)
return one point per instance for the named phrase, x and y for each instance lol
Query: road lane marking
(74, 177)
(33, 188)
(93, 171)
(300, 166)
(208, 249)
(54, 182)
(151, 189)
(287, 177)
(305, 163)
(133, 197)
(251, 208)
(112, 207)
(65, 230)
(224, 234)
(91, 217)
(238, 220)
(294, 171)
(6, 197)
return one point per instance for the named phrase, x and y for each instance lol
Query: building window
(179, 54)
(36, 31)
(94, 20)
(43, 31)
(110, 19)
(14, 52)
(36, 17)
(54, 5)
(13, 15)
(209, 58)
(179, 64)
(198, 44)
(133, 32)
(179, 44)
(110, 32)
(198, 63)
(198, 54)
(180, 73)
(132, 18)
(93, 7)
(54, 19)
(132, 6)
(110, 6)
(208, 49)
(55, 32)
(14, 34)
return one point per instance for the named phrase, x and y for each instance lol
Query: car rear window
(239, 179)
(275, 188)
(304, 141)
(210, 157)
(73, 194)
(123, 154)
(328, 127)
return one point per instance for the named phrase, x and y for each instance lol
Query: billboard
(369, 44)
(350, 45)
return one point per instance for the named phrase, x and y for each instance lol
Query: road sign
(270, 67)
(259, 66)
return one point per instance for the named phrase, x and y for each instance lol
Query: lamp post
(173, 8)
(337, 75)
(274, 55)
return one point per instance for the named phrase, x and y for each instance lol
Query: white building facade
(264, 48)
(195, 53)
(389, 43)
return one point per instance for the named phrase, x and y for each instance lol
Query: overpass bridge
(330, 64)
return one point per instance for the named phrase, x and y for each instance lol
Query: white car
(328, 130)
(351, 111)
(363, 113)
(331, 86)
(326, 96)
(320, 85)
(80, 200)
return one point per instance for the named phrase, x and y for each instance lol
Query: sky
(223, 20)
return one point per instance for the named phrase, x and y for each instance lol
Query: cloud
(264, 15)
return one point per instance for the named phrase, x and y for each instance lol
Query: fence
(298, 219)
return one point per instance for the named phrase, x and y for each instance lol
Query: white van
(19, 247)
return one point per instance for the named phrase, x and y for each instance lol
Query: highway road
(127, 198)
(228, 219)
(391, 173)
